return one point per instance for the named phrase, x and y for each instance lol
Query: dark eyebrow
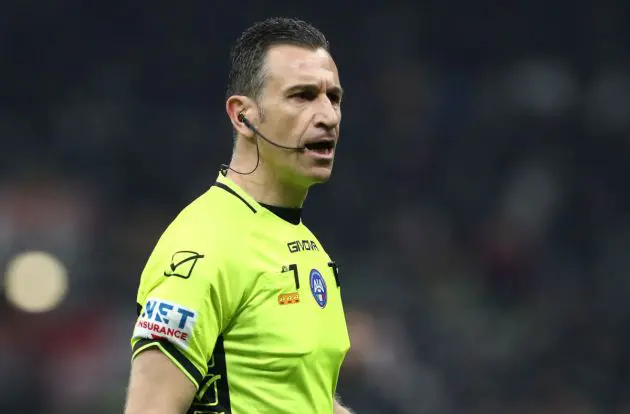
(336, 90)
(314, 87)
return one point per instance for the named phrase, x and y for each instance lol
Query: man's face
(301, 104)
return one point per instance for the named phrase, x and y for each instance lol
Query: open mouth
(321, 147)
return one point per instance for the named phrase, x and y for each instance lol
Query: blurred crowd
(478, 207)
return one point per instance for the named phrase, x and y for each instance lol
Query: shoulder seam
(235, 194)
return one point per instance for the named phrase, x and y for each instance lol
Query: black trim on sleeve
(174, 353)
(138, 309)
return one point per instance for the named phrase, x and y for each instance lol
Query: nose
(328, 115)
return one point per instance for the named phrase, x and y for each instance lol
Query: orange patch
(288, 298)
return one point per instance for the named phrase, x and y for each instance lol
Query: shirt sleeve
(185, 300)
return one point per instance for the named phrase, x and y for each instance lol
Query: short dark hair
(248, 54)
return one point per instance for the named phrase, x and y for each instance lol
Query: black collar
(292, 215)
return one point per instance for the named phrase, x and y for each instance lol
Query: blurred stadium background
(479, 207)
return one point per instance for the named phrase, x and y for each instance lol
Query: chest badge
(318, 288)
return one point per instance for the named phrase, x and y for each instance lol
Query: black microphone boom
(255, 130)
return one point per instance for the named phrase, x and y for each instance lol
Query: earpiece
(241, 117)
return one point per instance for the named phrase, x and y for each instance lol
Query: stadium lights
(35, 281)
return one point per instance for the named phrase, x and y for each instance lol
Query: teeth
(321, 150)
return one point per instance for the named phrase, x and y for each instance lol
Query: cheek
(289, 127)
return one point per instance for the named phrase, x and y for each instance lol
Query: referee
(239, 305)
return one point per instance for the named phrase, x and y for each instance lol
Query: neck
(264, 185)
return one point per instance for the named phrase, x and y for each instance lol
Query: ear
(235, 105)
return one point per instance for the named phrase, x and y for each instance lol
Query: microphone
(241, 117)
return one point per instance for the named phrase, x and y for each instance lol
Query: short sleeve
(185, 300)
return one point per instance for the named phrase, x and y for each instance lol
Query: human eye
(334, 97)
(304, 96)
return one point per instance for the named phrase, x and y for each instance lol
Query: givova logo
(183, 263)
(162, 319)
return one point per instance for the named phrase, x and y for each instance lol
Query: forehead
(288, 64)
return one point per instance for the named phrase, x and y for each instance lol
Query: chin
(320, 175)
(312, 176)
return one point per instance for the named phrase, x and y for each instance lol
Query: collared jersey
(247, 305)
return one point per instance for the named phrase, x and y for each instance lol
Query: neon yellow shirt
(247, 305)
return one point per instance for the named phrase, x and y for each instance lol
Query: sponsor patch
(161, 319)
